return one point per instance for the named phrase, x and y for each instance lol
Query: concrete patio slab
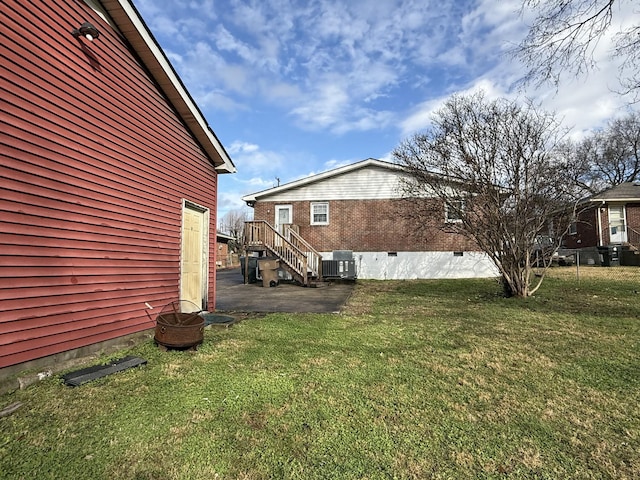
(232, 295)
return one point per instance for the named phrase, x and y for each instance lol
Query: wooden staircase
(633, 238)
(296, 256)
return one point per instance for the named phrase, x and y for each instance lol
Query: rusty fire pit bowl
(175, 329)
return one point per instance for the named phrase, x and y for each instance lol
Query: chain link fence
(613, 262)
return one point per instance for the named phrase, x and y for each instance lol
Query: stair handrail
(633, 239)
(262, 233)
(314, 258)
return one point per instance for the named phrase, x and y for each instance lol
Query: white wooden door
(194, 265)
(617, 224)
(283, 216)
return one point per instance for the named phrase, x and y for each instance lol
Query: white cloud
(251, 159)
(487, 32)
(330, 64)
(420, 117)
(279, 91)
(227, 42)
(325, 108)
(243, 147)
(335, 163)
(330, 108)
(258, 168)
(218, 100)
(207, 8)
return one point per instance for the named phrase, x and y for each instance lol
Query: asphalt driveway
(232, 295)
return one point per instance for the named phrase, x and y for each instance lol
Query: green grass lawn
(415, 379)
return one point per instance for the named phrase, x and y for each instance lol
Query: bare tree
(608, 157)
(624, 134)
(232, 223)
(564, 36)
(490, 170)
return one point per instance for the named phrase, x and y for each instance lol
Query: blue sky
(293, 87)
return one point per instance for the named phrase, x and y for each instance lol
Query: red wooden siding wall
(94, 164)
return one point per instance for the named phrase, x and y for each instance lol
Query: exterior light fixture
(87, 30)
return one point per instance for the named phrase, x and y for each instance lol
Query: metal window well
(179, 325)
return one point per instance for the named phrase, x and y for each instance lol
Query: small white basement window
(320, 213)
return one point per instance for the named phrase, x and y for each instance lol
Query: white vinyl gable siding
(371, 183)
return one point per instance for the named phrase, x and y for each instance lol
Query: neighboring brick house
(608, 218)
(108, 191)
(356, 208)
(226, 257)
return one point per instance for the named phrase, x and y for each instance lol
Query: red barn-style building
(108, 181)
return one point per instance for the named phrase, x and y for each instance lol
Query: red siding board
(90, 208)
(125, 303)
(72, 317)
(94, 249)
(63, 214)
(93, 100)
(35, 337)
(69, 129)
(42, 156)
(24, 351)
(82, 231)
(61, 316)
(9, 284)
(73, 261)
(69, 62)
(17, 207)
(74, 289)
(124, 125)
(66, 343)
(17, 271)
(58, 227)
(34, 235)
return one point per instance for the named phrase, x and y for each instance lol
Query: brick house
(108, 189)
(610, 218)
(226, 257)
(356, 208)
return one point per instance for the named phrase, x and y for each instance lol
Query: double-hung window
(573, 228)
(320, 213)
(453, 210)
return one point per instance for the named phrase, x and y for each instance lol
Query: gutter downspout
(600, 224)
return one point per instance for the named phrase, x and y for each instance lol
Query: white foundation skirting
(428, 265)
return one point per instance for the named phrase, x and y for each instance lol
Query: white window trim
(573, 228)
(446, 211)
(313, 222)
(279, 207)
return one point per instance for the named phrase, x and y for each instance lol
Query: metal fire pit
(179, 325)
